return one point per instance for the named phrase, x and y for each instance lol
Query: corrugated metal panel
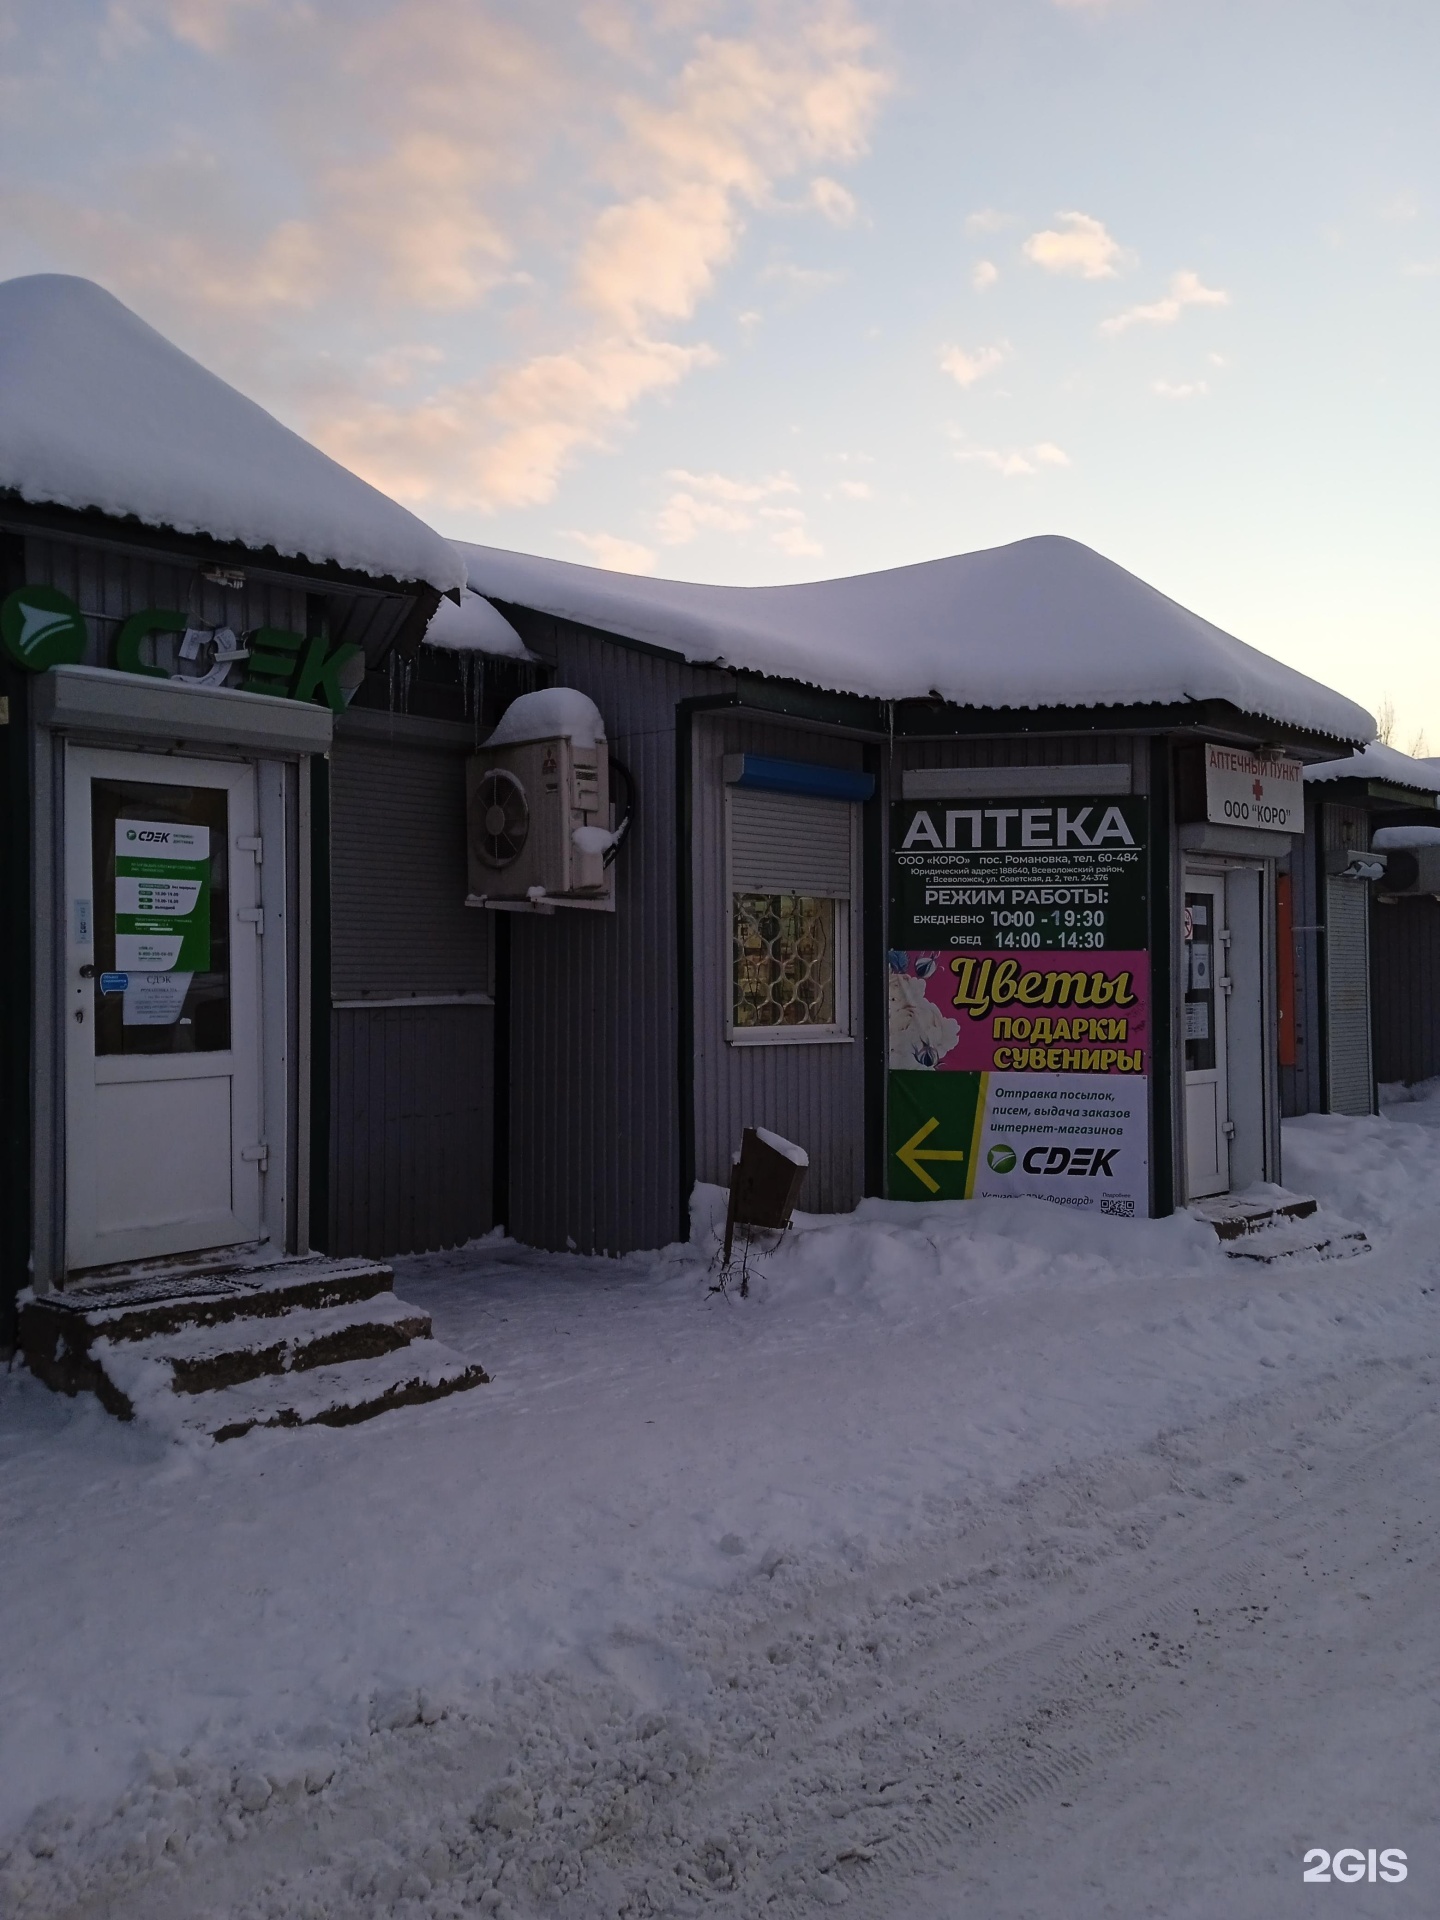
(411, 1128)
(108, 586)
(399, 921)
(594, 1152)
(1303, 1085)
(812, 1092)
(784, 843)
(1349, 1080)
(1030, 750)
(1347, 996)
(1405, 989)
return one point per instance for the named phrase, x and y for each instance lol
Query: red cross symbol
(1258, 790)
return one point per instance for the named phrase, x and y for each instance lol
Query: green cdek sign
(41, 627)
(162, 897)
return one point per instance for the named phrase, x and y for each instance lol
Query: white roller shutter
(790, 843)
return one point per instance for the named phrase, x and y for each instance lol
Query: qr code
(1114, 1203)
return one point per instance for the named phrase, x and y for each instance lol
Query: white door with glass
(1205, 983)
(161, 1007)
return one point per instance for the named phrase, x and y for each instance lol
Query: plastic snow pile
(1040, 623)
(98, 410)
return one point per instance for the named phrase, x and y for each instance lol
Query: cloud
(800, 280)
(1081, 245)
(743, 114)
(966, 368)
(1014, 462)
(203, 24)
(504, 440)
(1400, 209)
(1186, 290)
(796, 540)
(554, 206)
(401, 366)
(716, 503)
(1180, 389)
(1421, 269)
(620, 555)
(836, 203)
(855, 490)
(988, 220)
(983, 275)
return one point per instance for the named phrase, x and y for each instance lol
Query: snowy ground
(986, 1561)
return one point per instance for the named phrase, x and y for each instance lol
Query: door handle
(87, 972)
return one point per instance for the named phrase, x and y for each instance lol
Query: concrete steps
(1268, 1224)
(221, 1351)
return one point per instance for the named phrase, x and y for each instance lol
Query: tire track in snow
(822, 1742)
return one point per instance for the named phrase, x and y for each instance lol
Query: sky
(770, 290)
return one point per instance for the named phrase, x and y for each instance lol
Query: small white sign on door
(154, 999)
(1263, 790)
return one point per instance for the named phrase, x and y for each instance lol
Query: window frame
(840, 1032)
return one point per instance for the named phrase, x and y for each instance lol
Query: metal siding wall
(1405, 989)
(1032, 750)
(813, 1093)
(1349, 1074)
(594, 1026)
(411, 1133)
(108, 587)
(1302, 1085)
(398, 875)
(411, 1088)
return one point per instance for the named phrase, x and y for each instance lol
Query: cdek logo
(1078, 1162)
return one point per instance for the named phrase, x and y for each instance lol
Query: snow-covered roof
(1379, 762)
(98, 410)
(1044, 622)
(474, 626)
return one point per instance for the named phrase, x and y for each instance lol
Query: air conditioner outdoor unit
(538, 807)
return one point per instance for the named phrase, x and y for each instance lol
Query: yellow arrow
(910, 1155)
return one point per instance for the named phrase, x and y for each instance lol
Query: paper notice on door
(162, 899)
(155, 999)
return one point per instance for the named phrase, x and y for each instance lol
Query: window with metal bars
(791, 879)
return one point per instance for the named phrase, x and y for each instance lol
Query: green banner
(162, 897)
(935, 1121)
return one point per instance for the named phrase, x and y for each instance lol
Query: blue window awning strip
(798, 776)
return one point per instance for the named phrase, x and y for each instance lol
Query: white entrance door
(1205, 983)
(161, 1007)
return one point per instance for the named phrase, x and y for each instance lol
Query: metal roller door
(412, 1093)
